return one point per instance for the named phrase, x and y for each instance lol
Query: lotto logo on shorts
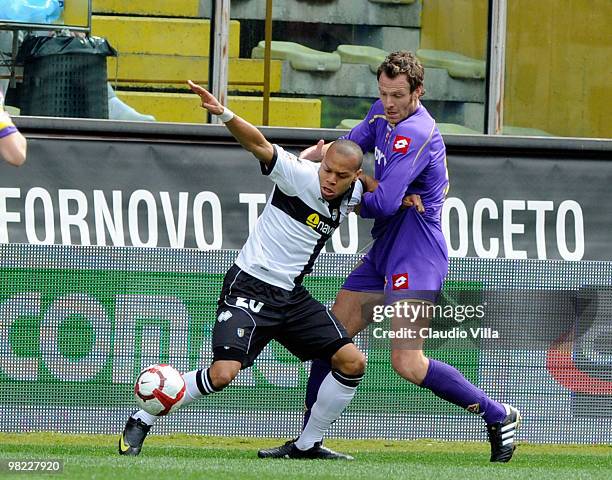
(401, 144)
(400, 281)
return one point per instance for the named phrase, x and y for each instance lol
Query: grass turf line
(197, 457)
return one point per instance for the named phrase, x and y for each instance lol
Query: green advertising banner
(77, 324)
(80, 337)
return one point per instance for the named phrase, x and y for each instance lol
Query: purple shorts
(409, 261)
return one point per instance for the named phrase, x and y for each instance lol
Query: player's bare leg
(355, 310)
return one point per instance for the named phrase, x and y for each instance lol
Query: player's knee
(353, 363)
(358, 364)
(222, 375)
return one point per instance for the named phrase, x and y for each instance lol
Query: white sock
(145, 417)
(192, 393)
(197, 385)
(335, 393)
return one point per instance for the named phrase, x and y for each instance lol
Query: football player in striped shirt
(263, 298)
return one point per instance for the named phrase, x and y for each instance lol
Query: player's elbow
(20, 157)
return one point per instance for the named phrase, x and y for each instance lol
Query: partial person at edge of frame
(13, 145)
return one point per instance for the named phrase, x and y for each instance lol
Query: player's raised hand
(314, 153)
(209, 102)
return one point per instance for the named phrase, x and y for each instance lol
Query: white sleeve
(290, 173)
(357, 194)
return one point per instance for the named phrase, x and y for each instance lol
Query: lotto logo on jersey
(401, 144)
(400, 281)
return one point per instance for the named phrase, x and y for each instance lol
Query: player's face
(395, 96)
(336, 174)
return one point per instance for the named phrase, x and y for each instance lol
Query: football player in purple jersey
(408, 260)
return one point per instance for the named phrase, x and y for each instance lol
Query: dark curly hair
(403, 62)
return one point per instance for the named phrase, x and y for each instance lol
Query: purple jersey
(410, 158)
(410, 250)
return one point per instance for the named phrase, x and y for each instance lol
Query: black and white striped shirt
(295, 223)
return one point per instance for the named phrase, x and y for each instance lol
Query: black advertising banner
(529, 207)
(88, 192)
(139, 192)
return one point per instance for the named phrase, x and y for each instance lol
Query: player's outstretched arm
(248, 136)
(13, 145)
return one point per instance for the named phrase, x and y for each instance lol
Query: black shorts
(251, 313)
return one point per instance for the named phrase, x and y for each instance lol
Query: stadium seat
(185, 108)
(165, 36)
(353, 80)
(363, 54)
(524, 131)
(339, 12)
(348, 123)
(171, 71)
(300, 57)
(175, 8)
(453, 129)
(457, 65)
(397, 2)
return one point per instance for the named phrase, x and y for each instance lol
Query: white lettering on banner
(353, 234)
(77, 219)
(540, 207)
(129, 310)
(252, 200)
(459, 226)
(515, 220)
(510, 229)
(73, 211)
(5, 215)
(564, 208)
(44, 196)
(451, 204)
(104, 220)
(133, 217)
(479, 207)
(176, 233)
(198, 222)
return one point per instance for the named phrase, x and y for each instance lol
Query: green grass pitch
(194, 457)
